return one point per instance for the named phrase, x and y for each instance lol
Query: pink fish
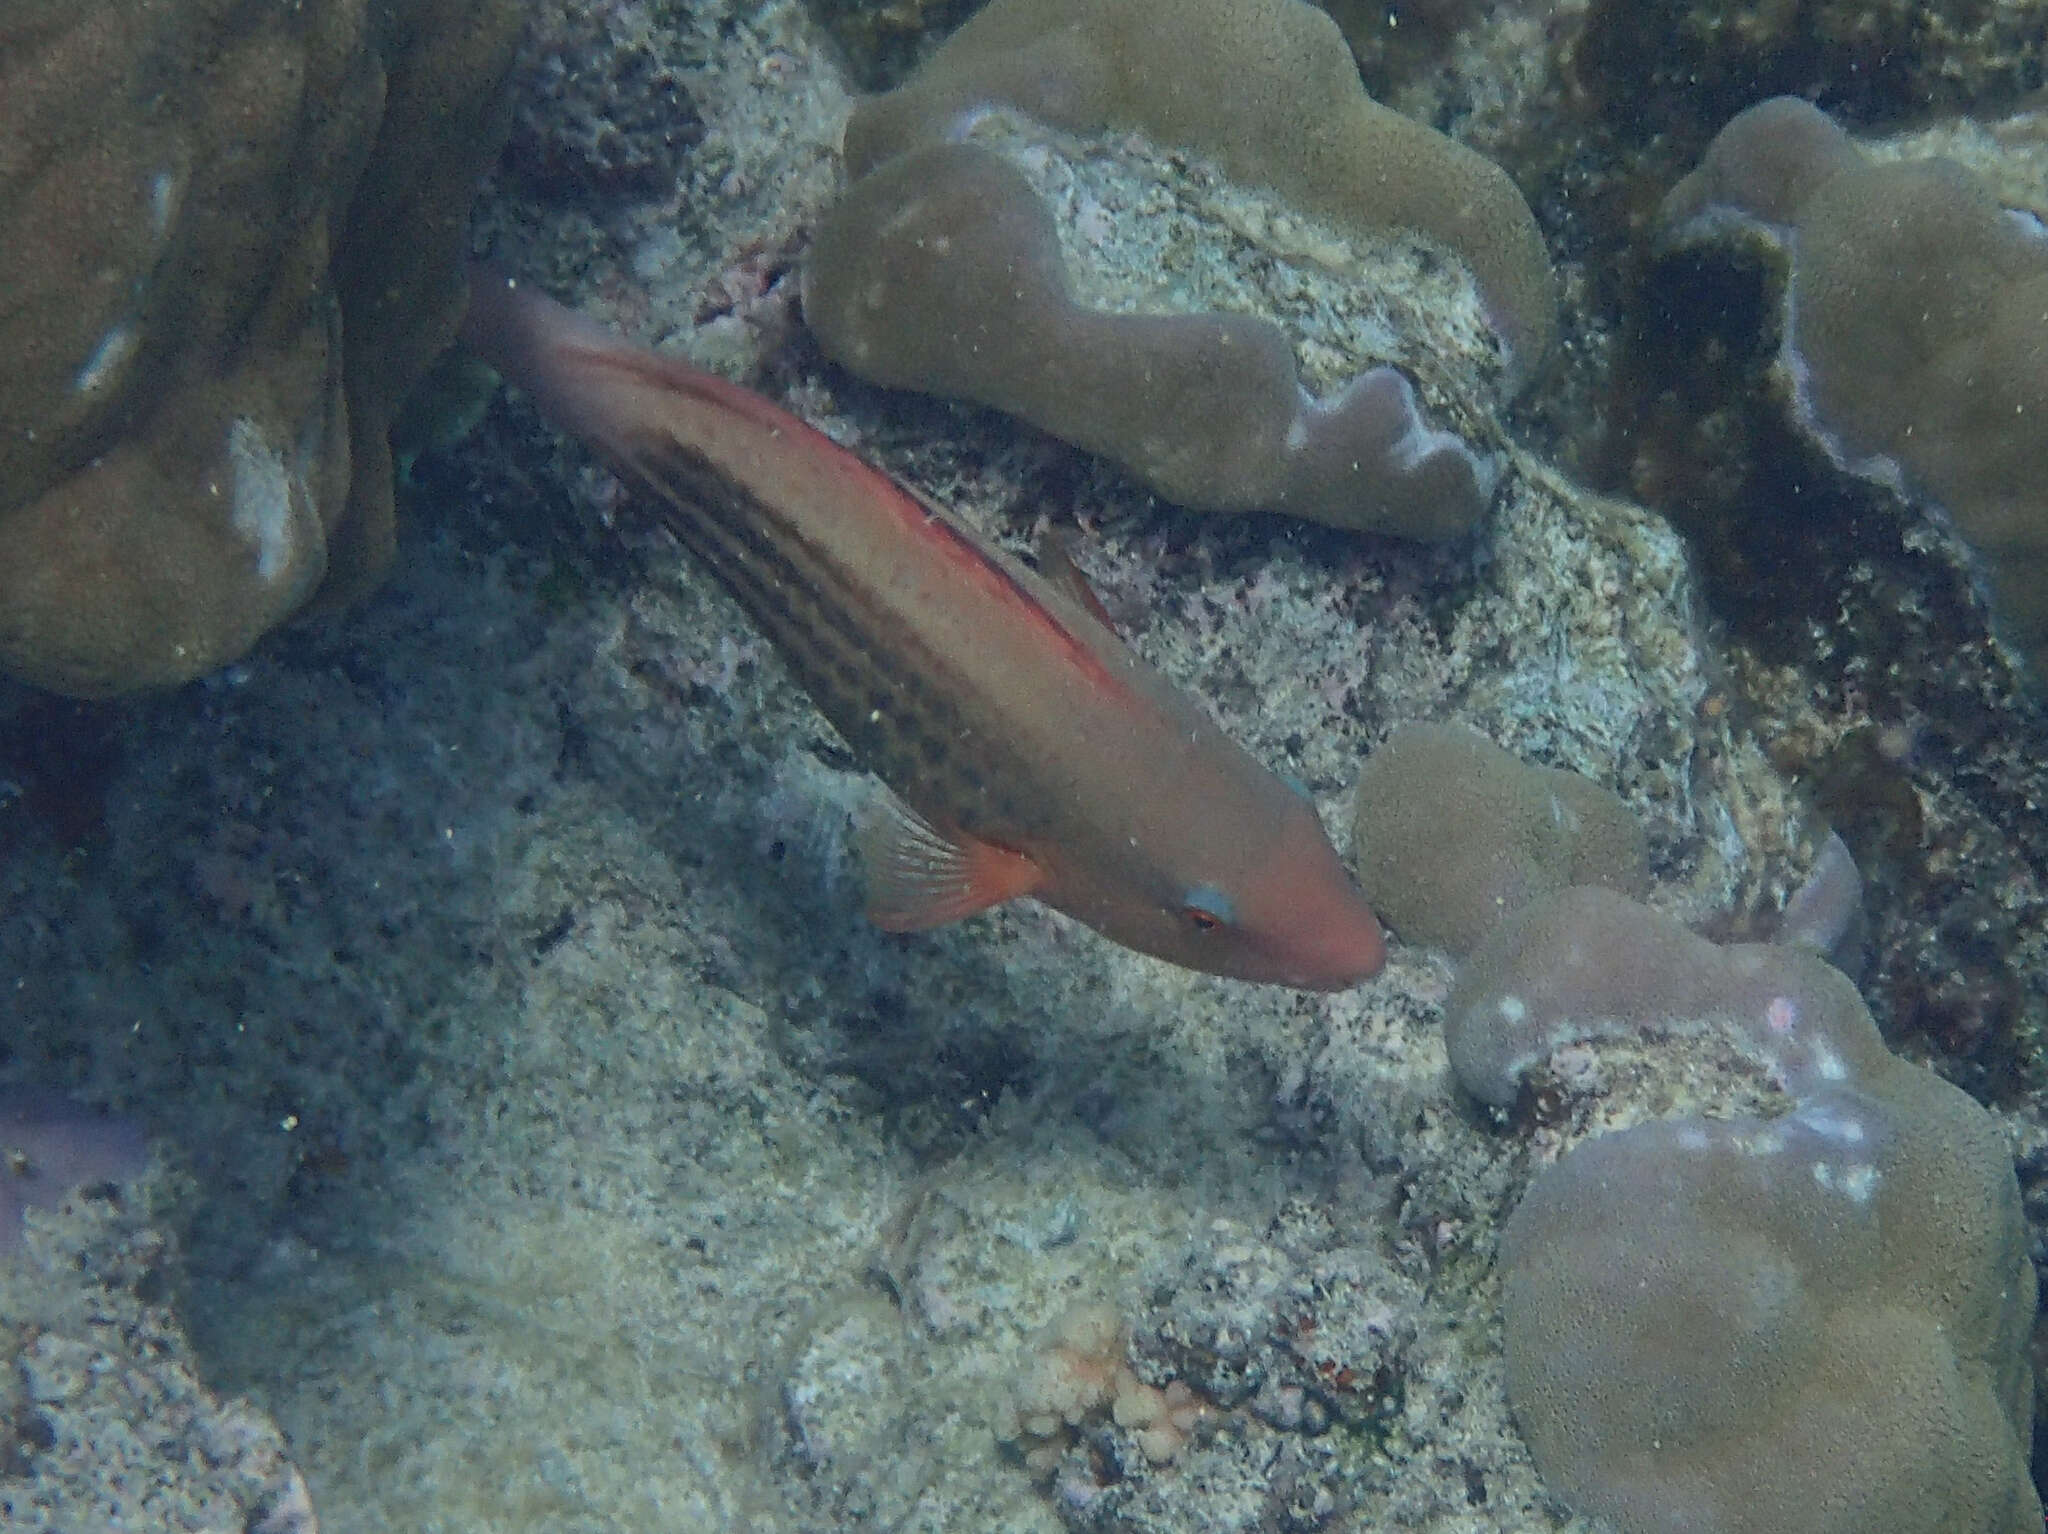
(1032, 753)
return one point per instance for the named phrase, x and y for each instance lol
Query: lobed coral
(1811, 1322)
(1267, 89)
(943, 270)
(1591, 961)
(1915, 330)
(1804, 1311)
(233, 241)
(1452, 834)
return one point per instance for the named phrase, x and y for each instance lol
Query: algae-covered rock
(117, 1423)
(232, 242)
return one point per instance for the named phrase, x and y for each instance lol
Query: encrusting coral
(1267, 88)
(233, 242)
(1811, 1317)
(1915, 331)
(1522, 832)
(1813, 1322)
(943, 268)
(942, 271)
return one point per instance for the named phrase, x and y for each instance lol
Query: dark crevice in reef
(1918, 763)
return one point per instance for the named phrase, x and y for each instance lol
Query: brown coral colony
(221, 277)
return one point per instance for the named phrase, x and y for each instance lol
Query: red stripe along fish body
(1032, 751)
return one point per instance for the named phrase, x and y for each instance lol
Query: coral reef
(945, 268)
(559, 1149)
(1859, 644)
(942, 271)
(1915, 331)
(1265, 88)
(1813, 1320)
(1626, 95)
(1451, 834)
(233, 242)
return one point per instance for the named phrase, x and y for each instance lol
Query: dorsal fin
(1056, 564)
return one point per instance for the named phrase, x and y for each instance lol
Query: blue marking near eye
(1208, 907)
(1300, 788)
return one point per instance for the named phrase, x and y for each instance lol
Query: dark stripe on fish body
(914, 736)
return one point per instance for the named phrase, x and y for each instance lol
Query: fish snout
(1309, 924)
(1334, 946)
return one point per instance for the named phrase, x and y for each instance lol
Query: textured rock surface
(109, 1423)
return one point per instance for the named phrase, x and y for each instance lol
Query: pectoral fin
(1056, 564)
(919, 876)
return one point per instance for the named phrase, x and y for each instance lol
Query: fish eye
(1207, 908)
